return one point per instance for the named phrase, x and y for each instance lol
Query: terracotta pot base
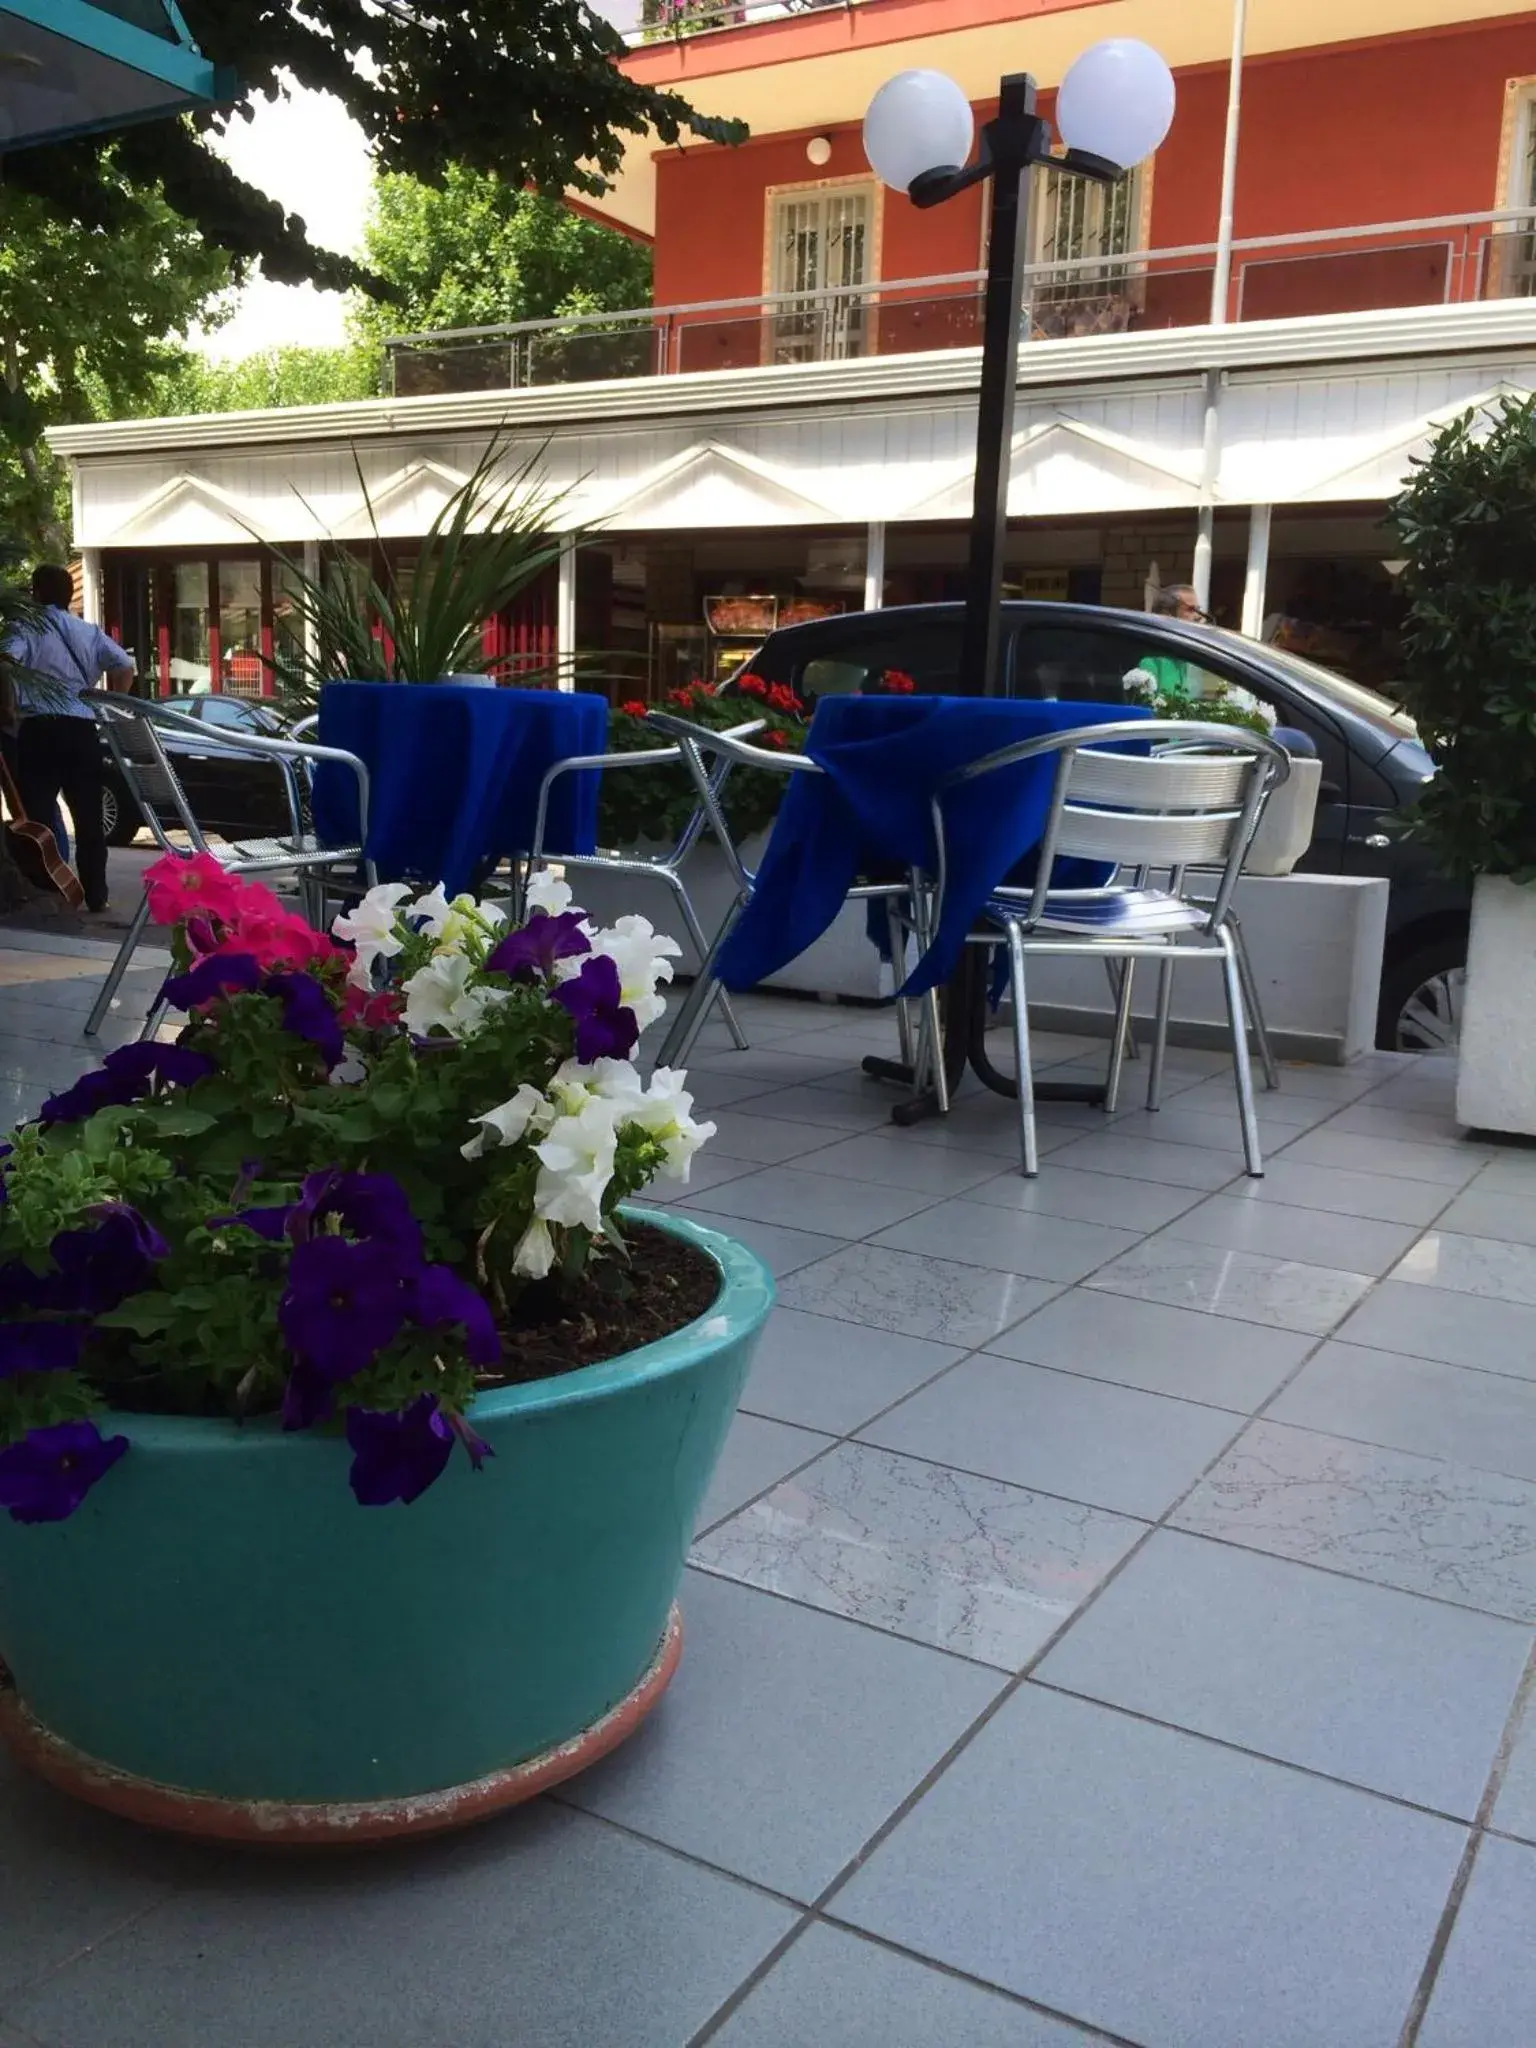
(291, 1823)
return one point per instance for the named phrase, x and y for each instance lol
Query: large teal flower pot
(220, 1640)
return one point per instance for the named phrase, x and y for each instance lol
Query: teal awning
(74, 67)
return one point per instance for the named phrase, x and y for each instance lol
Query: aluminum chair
(132, 729)
(908, 902)
(1145, 813)
(663, 867)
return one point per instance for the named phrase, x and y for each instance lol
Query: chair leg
(1112, 970)
(1122, 1027)
(118, 968)
(1241, 1067)
(152, 1022)
(929, 1069)
(1029, 1144)
(689, 1020)
(1255, 1009)
(687, 913)
(1160, 1033)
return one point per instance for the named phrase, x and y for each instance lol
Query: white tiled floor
(1112, 1621)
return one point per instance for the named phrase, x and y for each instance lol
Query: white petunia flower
(576, 1162)
(644, 959)
(371, 929)
(666, 1112)
(508, 1122)
(535, 1252)
(451, 922)
(439, 997)
(616, 1081)
(547, 892)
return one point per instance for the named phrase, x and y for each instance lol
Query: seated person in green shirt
(1173, 677)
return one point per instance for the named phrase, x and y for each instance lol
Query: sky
(308, 154)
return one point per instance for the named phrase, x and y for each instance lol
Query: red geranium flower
(782, 698)
(634, 708)
(774, 738)
(752, 685)
(899, 683)
(682, 698)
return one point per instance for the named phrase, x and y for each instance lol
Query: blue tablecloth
(871, 811)
(455, 773)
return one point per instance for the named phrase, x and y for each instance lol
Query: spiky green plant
(369, 621)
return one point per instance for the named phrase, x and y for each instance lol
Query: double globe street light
(1113, 109)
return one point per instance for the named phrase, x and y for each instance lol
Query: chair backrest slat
(1137, 839)
(142, 760)
(1161, 782)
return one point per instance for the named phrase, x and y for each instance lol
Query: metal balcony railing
(657, 21)
(1452, 259)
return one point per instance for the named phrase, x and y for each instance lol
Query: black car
(233, 797)
(1373, 764)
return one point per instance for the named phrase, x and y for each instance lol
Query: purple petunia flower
(237, 972)
(397, 1457)
(39, 1347)
(366, 1204)
(308, 1398)
(99, 1268)
(45, 1476)
(438, 1297)
(534, 949)
(344, 1303)
(124, 1076)
(604, 1028)
(307, 1013)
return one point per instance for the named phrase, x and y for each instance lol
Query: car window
(928, 654)
(231, 711)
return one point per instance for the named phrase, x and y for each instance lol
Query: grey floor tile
(1472, 1265)
(835, 1991)
(1377, 1119)
(713, 1091)
(1180, 1166)
(1483, 1211)
(1161, 1887)
(832, 1375)
(1330, 1084)
(68, 1876)
(1244, 1285)
(891, 1162)
(786, 1738)
(545, 1927)
(1515, 1808)
(1416, 1404)
(1313, 1236)
(1421, 1524)
(769, 1140)
(1162, 1350)
(914, 1296)
(1485, 1995)
(1177, 1124)
(1009, 1241)
(965, 1564)
(1450, 1166)
(757, 1454)
(770, 1064)
(813, 1201)
(783, 1250)
(1511, 1170)
(985, 1125)
(1345, 1193)
(1113, 1447)
(831, 1108)
(1301, 1665)
(707, 1169)
(1458, 1329)
(1276, 1105)
(1086, 1197)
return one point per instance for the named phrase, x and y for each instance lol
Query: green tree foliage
(276, 376)
(526, 88)
(475, 251)
(1467, 525)
(87, 321)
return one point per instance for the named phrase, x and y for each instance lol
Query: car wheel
(119, 818)
(1421, 998)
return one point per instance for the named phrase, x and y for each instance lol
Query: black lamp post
(1114, 108)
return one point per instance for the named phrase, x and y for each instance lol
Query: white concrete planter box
(1496, 1062)
(1285, 830)
(1315, 940)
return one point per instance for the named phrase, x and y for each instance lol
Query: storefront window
(191, 667)
(240, 660)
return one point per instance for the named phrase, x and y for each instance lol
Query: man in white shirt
(58, 748)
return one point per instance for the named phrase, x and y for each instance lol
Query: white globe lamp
(1117, 102)
(918, 121)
